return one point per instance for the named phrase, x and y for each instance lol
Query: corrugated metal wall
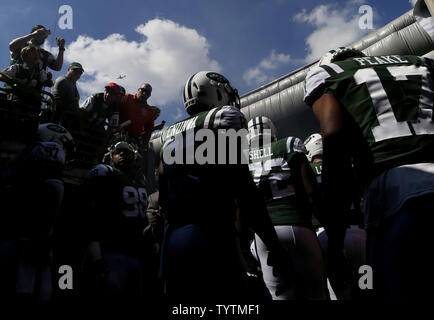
(282, 99)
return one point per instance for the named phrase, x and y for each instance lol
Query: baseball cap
(114, 87)
(76, 65)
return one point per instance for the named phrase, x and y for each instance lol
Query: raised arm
(58, 63)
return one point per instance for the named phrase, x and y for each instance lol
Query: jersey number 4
(388, 127)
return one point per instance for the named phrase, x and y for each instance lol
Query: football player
(282, 173)
(313, 146)
(377, 112)
(32, 191)
(355, 238)
(201, 257)
(115, 220)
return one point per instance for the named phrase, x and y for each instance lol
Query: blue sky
(162, 42)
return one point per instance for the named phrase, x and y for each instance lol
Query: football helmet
(313, 146)
(340, 54)
(206, 90)
(257, 126)
(51, 132)
(121, 141)
(123, 145)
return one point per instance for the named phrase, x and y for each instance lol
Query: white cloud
(412, 2)
(262, 72)
(334, 26)
(166, 56)
(179, 114)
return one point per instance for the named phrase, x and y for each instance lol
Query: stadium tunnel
(282, 99)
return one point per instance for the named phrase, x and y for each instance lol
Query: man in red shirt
(142, 116)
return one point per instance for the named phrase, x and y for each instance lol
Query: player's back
(201, 192)
(389, 99)
(275, 169)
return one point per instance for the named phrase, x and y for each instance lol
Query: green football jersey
(317, 170)
(203, 191)
(219, 122)
(272, 168)
(389, 98)
(118, 209)
(227, 117)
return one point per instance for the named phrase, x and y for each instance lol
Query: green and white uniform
(317, 170)
(227, 117)
(200, 202)
(194, 184)
(274, 170)
(390, 99)
(388, 107)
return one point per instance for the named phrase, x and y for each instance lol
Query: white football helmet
(206, 90)
(340, 54)
(313, 146)
(257, 126)
(51, 132)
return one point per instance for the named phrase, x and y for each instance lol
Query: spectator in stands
(142, 116)
(29, 77)
(36, 38)
(66, 94)
(102, 109)
(122, 91)
(135, 108)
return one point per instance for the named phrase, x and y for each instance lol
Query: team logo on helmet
(217, 77)
(206, 90)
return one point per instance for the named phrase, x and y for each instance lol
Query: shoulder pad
(227, 117)
(101, 170)
(295, 145)
(315, 78)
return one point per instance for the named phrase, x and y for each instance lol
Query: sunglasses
(145, 90)
(110, 91)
